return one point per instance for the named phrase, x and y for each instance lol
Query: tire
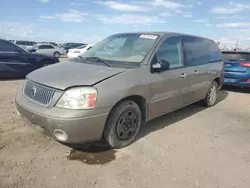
(211, 97)
(57, 54)
(123, 124)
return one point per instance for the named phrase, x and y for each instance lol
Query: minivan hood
(69, 74)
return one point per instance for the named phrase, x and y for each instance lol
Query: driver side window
(171, 52)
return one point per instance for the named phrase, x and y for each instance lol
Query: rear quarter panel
(216, 70)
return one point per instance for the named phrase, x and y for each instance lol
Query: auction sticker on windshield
(149, 37)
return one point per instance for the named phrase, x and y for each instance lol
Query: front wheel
(57, 54)
(211, 97)
(123, 124)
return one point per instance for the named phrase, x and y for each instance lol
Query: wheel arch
(56, 52)
(217, 80)
(140, 101)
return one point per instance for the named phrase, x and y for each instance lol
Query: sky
(89, 21)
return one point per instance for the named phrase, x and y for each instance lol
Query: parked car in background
(47, 49)
(24, 44)
(68, 46)
(112, 94)
(237, 68)
(17, 62)
(75, 52)
(52, 43)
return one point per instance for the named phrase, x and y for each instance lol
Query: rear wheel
(57, 54)
(211, 97)
(123, 124)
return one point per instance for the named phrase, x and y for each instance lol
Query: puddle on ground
(93, 155)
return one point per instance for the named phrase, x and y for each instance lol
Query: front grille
(38, 93)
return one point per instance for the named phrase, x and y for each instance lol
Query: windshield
(123, 48)
(236, 56)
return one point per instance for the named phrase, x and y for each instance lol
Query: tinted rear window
(75, 45)
(199, 51)
(236, 56)
(81, 47)
(45, 47)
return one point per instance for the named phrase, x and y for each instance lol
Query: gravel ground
(192, 147)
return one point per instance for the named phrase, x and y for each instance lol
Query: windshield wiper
(98, 60)
(81, 58)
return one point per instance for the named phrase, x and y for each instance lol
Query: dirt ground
(192, 147)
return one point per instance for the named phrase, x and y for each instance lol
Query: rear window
(236, 56)
(81, 47)
(75, 45)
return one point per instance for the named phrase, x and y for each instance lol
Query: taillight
(245, 64)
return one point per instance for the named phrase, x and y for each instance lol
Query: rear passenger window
(196, 51)
(171, 51)
(49, 47)
(236, 56)
(45, 47)
(215, 52)
(199, 51)
(42, 47)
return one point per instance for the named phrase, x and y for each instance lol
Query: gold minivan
(119, 84)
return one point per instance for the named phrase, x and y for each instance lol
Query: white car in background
(47, 49)
(73, 53)
(24, 44)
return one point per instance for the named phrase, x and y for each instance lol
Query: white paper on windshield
(153, 37)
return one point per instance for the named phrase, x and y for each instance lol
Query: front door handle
(183, 75)
(196, 72)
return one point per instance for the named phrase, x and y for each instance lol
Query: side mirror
(160, 66)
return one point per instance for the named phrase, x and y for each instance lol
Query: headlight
(78, 98)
